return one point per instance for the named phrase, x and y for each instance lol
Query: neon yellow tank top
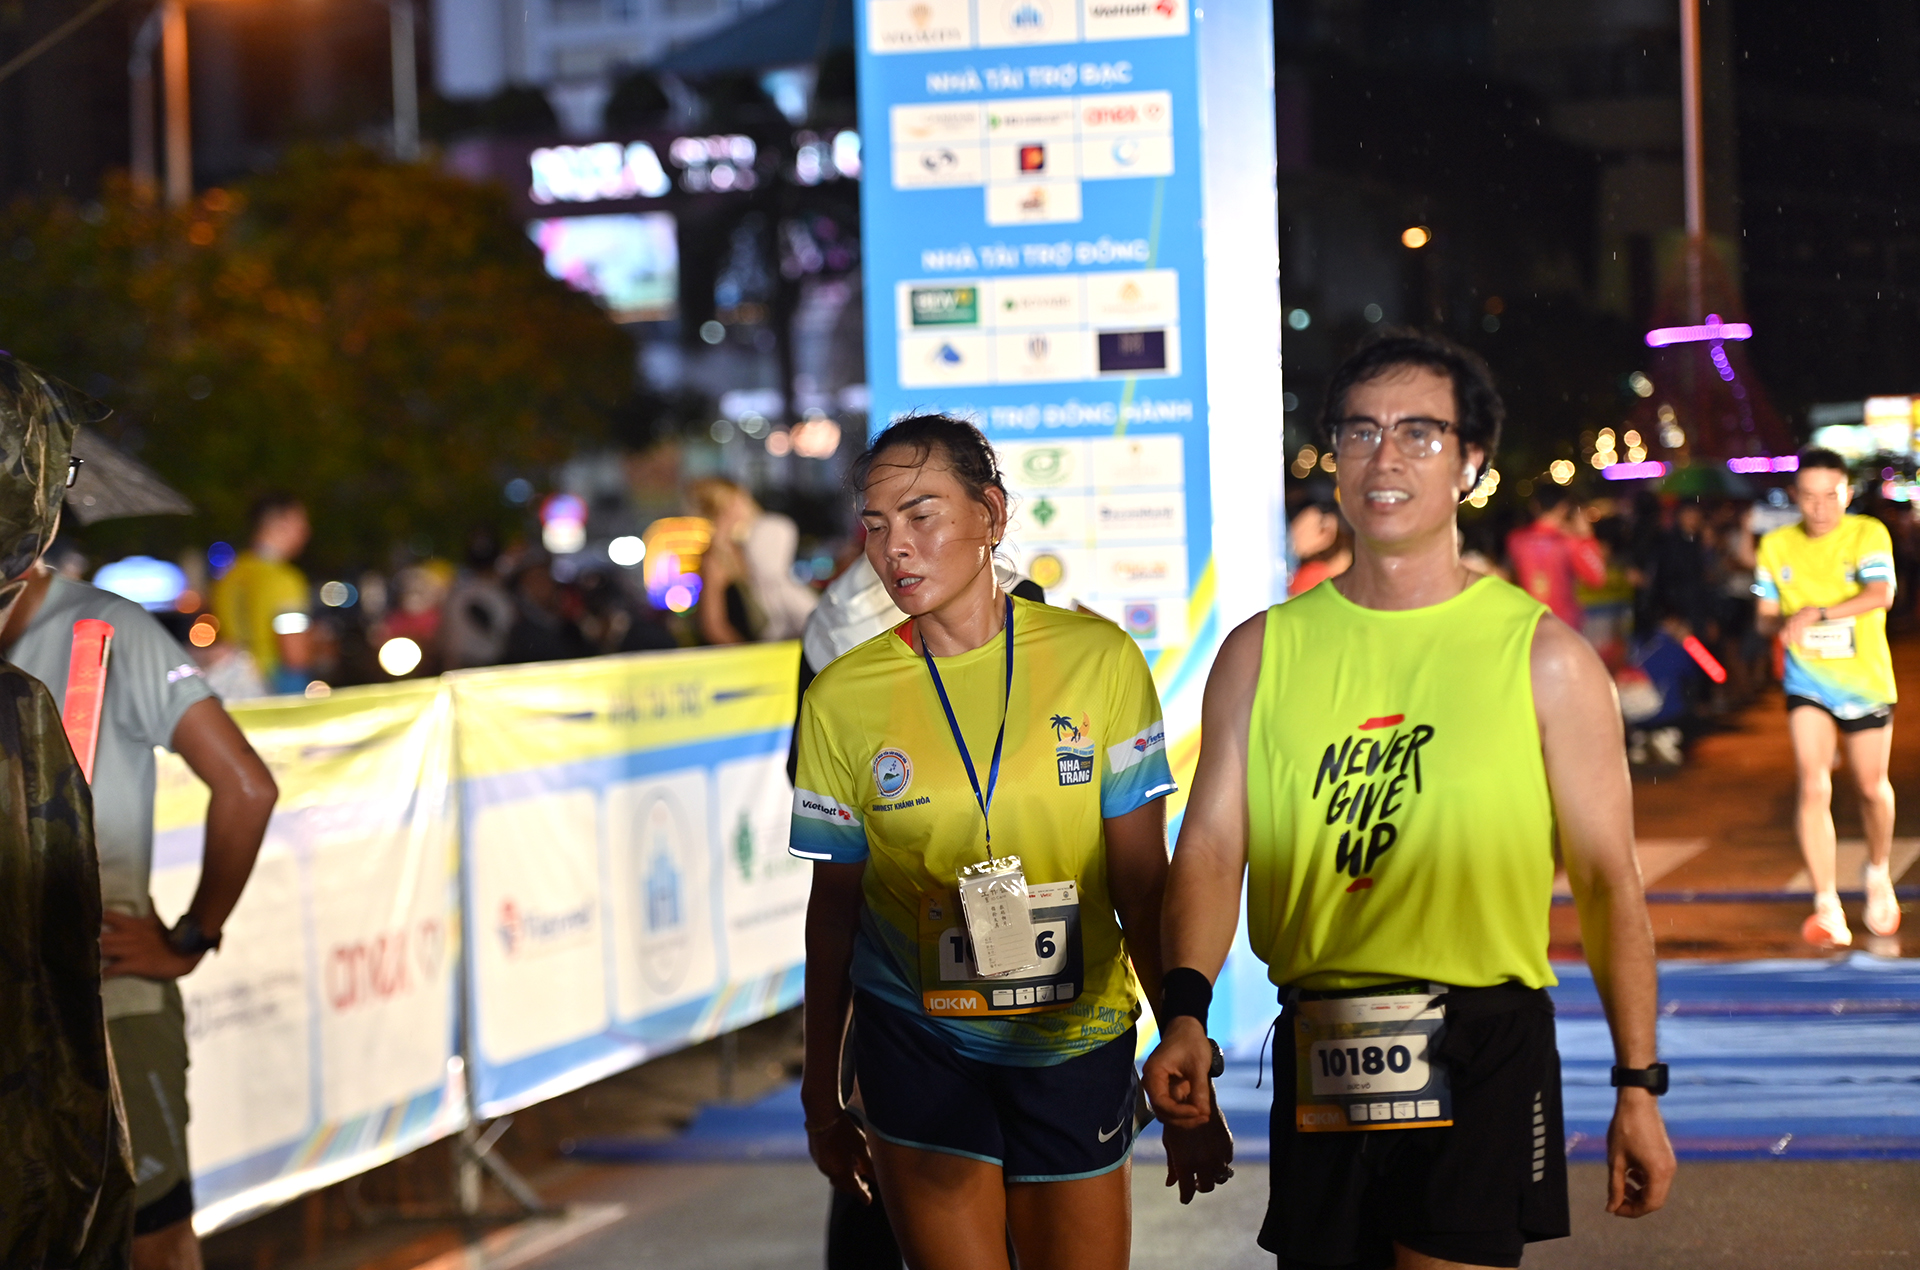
(1399, 824)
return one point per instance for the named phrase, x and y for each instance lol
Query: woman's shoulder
(1091, 633)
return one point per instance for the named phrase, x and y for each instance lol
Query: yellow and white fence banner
(479, 892)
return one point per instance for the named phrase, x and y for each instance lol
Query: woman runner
(994, 1108)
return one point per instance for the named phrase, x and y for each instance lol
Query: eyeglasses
(1358, 439)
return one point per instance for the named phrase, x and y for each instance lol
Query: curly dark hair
(968, 453)
(1479, 412)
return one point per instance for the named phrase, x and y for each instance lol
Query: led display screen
(629, 262)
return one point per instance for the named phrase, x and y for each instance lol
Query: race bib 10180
(1365, 1062)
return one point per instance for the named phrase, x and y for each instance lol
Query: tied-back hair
(968, 453)
(1479, 412)
(966, 450)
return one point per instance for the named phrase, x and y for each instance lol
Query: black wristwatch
(1218, 1067)
(189, 940)
(1652, 1078)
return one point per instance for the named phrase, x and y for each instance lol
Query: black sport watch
(189, 940)
(1218, 1067)
(1652, 1078)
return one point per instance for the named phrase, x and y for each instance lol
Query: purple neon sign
(1761, 463)
(1713, 329)
(1634, 471)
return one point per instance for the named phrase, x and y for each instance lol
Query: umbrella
(1689, 480)
(113, 485)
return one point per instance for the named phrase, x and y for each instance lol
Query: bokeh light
(399, 656)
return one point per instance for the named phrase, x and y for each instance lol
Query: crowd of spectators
(1660, 583)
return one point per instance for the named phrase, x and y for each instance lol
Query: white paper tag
(1829, 640)
(999, 916)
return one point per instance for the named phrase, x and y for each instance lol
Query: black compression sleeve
(1184, 990)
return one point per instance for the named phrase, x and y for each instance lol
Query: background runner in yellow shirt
(1391, 761)
(991, 1105)
(1831, 578)
(263, 602)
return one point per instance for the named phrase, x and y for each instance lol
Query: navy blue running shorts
(1039, 1124)
(1878, 717)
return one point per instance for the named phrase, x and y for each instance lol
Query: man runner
(1391, 760)
(1831, 578)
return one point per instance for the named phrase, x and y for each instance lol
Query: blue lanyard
(966, 759)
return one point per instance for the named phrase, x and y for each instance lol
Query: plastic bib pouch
(993, 900)
(1363, 1062)
(951, 984)
(1829, 640)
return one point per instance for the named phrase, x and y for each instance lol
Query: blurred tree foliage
(380, 339)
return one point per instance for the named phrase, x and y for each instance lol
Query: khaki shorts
(150, 1056)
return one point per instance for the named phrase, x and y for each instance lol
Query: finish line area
(1773, 1059)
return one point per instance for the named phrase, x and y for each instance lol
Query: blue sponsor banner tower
(1070, 237)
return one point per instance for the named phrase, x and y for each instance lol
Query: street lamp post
(173, 61)
(406, 86)
(1692, 153)
(144, 156)
(171, 19)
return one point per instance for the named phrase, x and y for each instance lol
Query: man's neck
(262, 550)
(22, 615)
(966, 622)
(1411, 575)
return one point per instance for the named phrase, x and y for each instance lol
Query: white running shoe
(1883, 909)
(1827, 928)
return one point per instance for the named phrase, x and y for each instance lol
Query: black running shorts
(1876, 718)
(1039, 1124)
(1477, 1192)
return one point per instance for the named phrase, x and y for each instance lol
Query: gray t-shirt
(151, 682)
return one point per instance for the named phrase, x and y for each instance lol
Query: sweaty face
(1822, 494)
(1388, 496)
(927, 537)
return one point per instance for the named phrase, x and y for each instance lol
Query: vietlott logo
(530, 931)
(1073, 751)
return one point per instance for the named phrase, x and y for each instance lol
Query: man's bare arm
(1203, 884)
(242, 793)
(241, 797)
(1872, 596)
(1580, 732)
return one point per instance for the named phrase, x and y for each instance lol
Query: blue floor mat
(1771, 1059)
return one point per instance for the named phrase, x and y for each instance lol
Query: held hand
(1199, 1159)
(839, 1150)
(1176, 1078)
(132, 945)
(1640, 1163)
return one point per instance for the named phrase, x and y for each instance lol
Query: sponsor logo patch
(892, 772)
(1151, 739)
(1073, 751)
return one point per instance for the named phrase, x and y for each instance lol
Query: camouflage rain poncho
(66, 1179)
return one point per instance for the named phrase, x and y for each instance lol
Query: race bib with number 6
(951, 982)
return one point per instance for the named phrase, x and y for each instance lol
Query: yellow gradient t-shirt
(1801, 572)
(881, 781)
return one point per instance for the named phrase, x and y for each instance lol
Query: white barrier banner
(628, 883)
(322, 1035)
